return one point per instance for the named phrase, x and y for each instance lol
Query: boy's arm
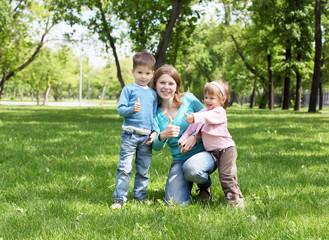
(124, 109)
(154, 126)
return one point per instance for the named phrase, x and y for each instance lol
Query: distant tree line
(263, 48)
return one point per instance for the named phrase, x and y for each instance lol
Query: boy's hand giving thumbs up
(137, 106)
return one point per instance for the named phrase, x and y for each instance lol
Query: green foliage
(28, 21)
(5, 16)
(201, 49)
(58, 169)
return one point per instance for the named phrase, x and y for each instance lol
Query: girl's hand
(171, 131)
(189, 118)
(187, 144)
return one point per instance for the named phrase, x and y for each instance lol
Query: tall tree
(324, 75)
(100, 21)
(164, 41)
(303, 44)
(250, 59)
(150, 23)
(286, 88)
(163, 29)
(17, 45)
(317, 58)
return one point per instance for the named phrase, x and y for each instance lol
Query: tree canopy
(264, 49)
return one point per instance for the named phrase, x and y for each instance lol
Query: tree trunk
(45, 96)
(298, 98)
(3, 80)
(320, 96)
(262, 104)
(46, 93)
(317, 58)
(271, 84)
(163, 45)
(38, 96)
(253, 95)
(104, 88)
(112, 43)
(141, 30)
(21, 95)
(286, 92)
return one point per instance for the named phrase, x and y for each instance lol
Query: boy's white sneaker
(117, 204)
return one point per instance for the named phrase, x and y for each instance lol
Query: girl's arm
(188, 132)
(215, 116)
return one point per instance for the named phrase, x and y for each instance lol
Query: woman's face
(166, 87)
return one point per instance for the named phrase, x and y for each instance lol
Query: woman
(191, 163)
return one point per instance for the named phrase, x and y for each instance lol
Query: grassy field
(58, 168)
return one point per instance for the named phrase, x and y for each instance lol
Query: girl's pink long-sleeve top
(211, 126)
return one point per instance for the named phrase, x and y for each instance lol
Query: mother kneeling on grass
(191, 163)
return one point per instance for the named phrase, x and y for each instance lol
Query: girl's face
(166, 87)
(212, 101)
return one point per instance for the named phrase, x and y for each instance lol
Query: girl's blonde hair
(213, 90)
(172, 72)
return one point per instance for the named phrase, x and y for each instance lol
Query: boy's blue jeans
(131, 144)
(182, 174)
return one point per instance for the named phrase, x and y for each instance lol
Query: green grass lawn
(58, 168)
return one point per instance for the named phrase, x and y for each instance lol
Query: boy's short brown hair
(143, 59)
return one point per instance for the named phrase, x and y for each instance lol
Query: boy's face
(142, 75)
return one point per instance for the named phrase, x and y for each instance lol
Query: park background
(81, 50)
(58, 164)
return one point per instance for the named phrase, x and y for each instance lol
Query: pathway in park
(56, 104)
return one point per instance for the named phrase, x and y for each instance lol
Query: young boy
(137, 104)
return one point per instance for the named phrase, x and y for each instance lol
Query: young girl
(211, 125)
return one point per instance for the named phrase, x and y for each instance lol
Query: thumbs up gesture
(171, 131)
(189, 118)
(137, 106)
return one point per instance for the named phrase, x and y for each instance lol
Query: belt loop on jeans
(132, 132)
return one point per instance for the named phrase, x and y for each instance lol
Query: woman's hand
(187, 144)
(171, 131)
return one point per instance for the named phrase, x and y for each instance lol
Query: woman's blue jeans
(182, 174)
(133, 144)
